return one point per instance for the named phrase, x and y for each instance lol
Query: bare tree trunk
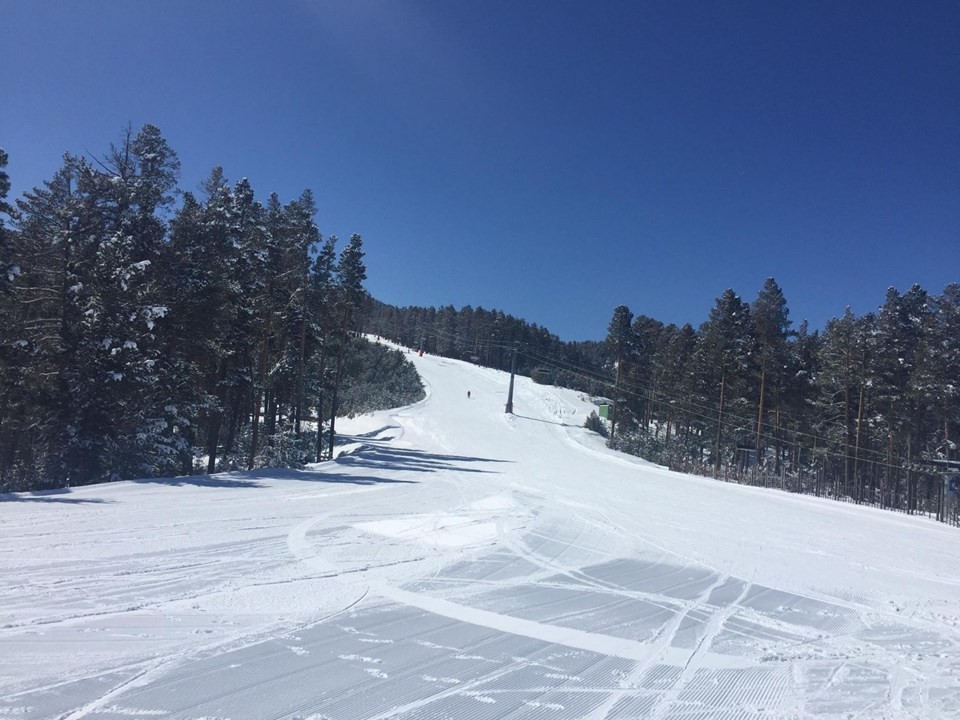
(846, 444)
(723, 377)
(300, 362)
(944, 510)
(216, 418)
(883, 492)
(895, 493)
(320, 427)
(258, 391)
(911, 479)
(779, 465)
(763, 382)
(255, 433)
(946, 426)
(270, 421)
(858, 492)
(333, 420)
(336, 391)
(239, 409)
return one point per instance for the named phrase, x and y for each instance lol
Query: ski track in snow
(454, 561)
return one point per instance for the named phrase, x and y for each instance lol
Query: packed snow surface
(459, 562)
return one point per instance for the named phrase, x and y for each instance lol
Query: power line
(730, 418)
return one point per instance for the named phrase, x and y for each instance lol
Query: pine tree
(841, 385)
(112, 344)
(946, 338)
(671, 376)
(34, 331)
(899, 330)
(207, 272)
(305, 237)
(771, 326)
(922, 392)
(88, 310)
(725, 352)
(270, 329)
(350, 299)
(802, 366)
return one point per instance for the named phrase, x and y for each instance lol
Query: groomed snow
(458, 562)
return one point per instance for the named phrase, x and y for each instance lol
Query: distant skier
(468, 394)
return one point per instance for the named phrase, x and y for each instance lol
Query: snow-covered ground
(458, 562)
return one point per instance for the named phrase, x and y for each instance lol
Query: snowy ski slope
(457, 562)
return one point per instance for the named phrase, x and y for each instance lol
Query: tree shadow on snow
(251, 478)
(374, 434)
(220, 480)
(390, 458)
(321, 474)
(368, 454)
(51, 496)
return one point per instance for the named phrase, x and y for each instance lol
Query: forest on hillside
(148, 331)
(152, 332)
(867, 411)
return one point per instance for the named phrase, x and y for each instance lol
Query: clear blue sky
(551, 159)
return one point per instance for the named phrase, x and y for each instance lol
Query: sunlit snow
(458, 562)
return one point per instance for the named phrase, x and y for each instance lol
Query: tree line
(866, 411)
(486, 337)
(141, 336)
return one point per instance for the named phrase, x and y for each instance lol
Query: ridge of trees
(142, 339)
(867, 411)
(487, 337)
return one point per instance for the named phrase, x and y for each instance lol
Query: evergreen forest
(152, 332)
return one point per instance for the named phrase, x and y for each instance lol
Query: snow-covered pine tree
(797, 419)
(648, 337)
(725, 353)
(899, 328)
(771, 325)
(841, 386)
(117, 419)
(206, 276)
(34, 331)
(350, 298)
(322, 287)
(292, 234)
(946, 338)
(306, 239)
(238, 343)
(671, 376)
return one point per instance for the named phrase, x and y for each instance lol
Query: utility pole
(513, 372)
